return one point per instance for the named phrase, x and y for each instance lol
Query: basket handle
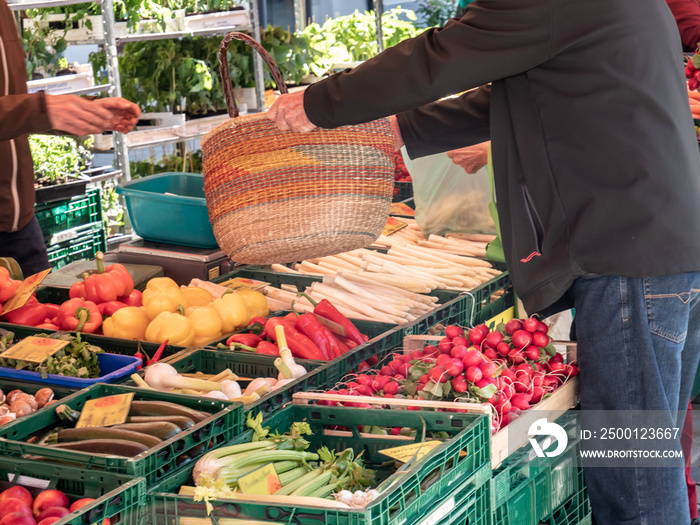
(226, 77)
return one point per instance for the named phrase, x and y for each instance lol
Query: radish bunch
(511, 367)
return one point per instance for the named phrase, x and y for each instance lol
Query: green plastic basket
(225, 423)
(114, 494)
(414, 494)
(575, 511)
(56, 217)
(519, 508)
(246, 364)
(81, 242)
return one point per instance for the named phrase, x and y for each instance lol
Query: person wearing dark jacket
(22, 114)
(597, 178)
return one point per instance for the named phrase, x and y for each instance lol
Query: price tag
(25, 291)
(262, 481)
(405, 453)
(34, 349)
(393, 225)
(401, 208)
(105, 411)
(238, 283)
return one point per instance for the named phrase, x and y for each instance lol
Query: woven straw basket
(280, 196)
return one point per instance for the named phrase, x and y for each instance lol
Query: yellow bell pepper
(197, 296)
(256, 302)
(206, 323)
(232, 310)
(162, 294)
(129, 322)
(173, 326)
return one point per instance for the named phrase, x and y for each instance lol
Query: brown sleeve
(23, 114)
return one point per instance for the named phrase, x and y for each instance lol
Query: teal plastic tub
(169, 207)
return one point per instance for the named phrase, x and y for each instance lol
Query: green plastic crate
(575, 511)
(114, 494)
(246, 364)
(56, 217)
(519, 508)
(411, 496)
(225, 423)
(82, 242)
(402, 191)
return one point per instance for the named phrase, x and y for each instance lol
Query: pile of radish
(511, 368)
(19, 507)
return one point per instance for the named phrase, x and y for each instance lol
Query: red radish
(364, 365)
(521, 339)
(461, 340)
(540, 367)
(532, 352)
(430, 350)
(530, 324)
(453, 331)
(372, 360)
(521, 401)
(493, 339)
(395, 431)
(12, 505)
(555, 367)
(541, 327)
(364, 379)
(405, 369)
(488, 368)
(476, 336)
(391, 388)
(516, 356)
(503, 380)
(474, 374)
(49, 498)
(52, 512)
(364, 390)
(525, 367)
(386, 370)
(424, 379)
(484, 329)
(352, 385)
(537, 393)
(550, 382)
(540, 339)
(557, 357)
(18, 518)
(491, 354)
(510, 374)
(472, 358)
(458, 351)
(18, 492)
(416, 354)
(571, 370)
(522, 384)
(438, 374)
(443, 360)
(396, 364)
(459, 384)
(537, 380)
(513, 326)
(508, 390)
(484, 382)
(503, 349)
(399, 377)
(454, 367)
(445, 345)
(503, 405)
(406, 358)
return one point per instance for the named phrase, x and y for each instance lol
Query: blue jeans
(638, 349)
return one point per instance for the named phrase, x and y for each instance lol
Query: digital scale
(180, 263)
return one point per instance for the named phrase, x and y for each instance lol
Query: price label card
(401, 208)
(34, 349)
(261, 481)
(238, 283)
(105, 411)
(25, 291)
(405, 453)
(393, 225)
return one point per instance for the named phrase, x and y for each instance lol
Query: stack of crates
(72, 228)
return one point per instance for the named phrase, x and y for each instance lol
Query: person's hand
(80, 116)
(472, 158)
(125, 114)
(398, 139)
(288, 113)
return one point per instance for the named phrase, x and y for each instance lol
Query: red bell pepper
(108, 283)
(300, 345)
(31, 314)
(245, 339)
(135, 298)
(79, 315)
(267, 348)
(308, 325)
(257, 325)
(325, 308)
(107, 309)
(8, 286)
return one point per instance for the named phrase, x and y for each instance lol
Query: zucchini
(67, 435)
(67, 414)
(161, 429)
(181, 421)
(165, 408)
(111, 447)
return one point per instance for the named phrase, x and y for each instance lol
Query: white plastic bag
(447, 198)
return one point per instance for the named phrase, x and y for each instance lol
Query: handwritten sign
(25, 291)
(401, 208)
(34, 349)
(406, 452)
(105, 411)
(393, 225)
(238, 283)
(261, 481)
